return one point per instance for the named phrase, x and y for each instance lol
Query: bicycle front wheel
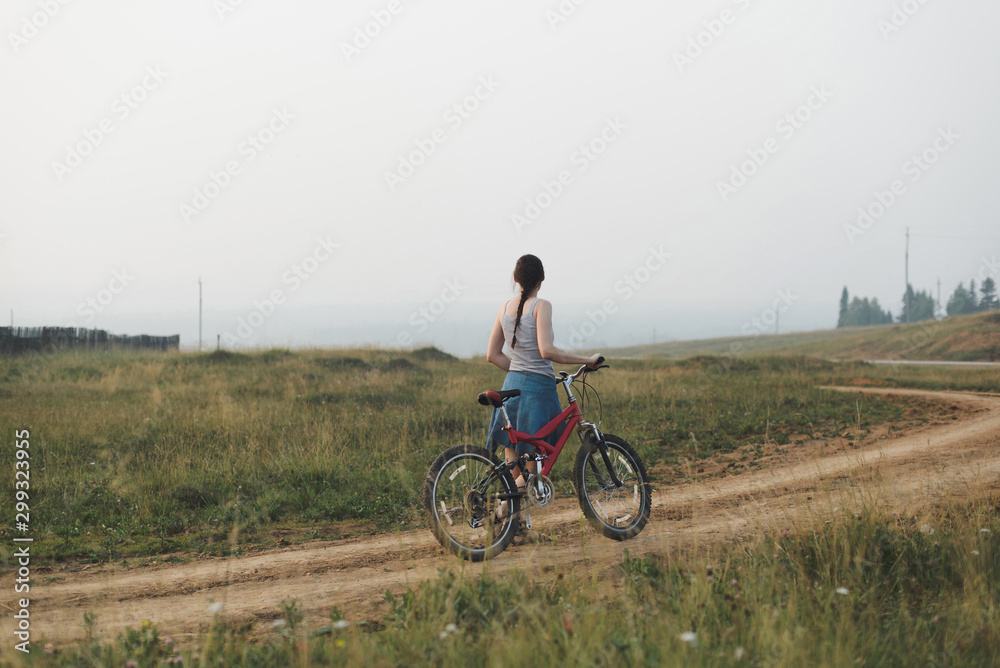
(473, 508)
(618, 512)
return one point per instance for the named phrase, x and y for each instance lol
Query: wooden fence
(24, 339)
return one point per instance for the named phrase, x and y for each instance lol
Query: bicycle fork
(603, 448)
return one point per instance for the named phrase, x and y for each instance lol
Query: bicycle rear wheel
(619, 513)
(462, 493)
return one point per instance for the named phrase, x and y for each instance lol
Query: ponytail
(520, 307)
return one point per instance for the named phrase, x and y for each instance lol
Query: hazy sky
(275, 149)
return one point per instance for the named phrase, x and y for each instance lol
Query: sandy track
(354, 574)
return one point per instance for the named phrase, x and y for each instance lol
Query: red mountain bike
(475, 506)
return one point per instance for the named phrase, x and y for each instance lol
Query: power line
(956, 236)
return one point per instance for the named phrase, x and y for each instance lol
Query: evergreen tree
(958, 303)
(842, 320)
(865, 312)
(973, 297)
(923, 307)
(988, 301)
(907, 303)
(880, 317)
(919, 306)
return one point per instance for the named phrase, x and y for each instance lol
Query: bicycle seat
(495, 399)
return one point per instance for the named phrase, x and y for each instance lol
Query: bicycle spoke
(466, 493)
(617, 505)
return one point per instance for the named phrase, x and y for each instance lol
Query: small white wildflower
(443, 635)
(277, 623)
(451, 628)
(215, 607)
(341, 624)
(738, 654)
(926, 528)
(689, 637)
(843, 591)
(984, 530)
(975, 552)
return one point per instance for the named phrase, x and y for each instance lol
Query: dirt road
(947, 458)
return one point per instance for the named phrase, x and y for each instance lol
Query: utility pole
(907, 293)
(199, 314)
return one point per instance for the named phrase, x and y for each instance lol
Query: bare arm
(494, 351)
(543, 318)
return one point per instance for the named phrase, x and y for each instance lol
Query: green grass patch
(140, 453)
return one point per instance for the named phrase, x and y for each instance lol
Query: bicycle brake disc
(540, 490)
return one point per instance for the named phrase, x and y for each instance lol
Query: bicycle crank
(540, 490)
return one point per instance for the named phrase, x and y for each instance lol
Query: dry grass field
(264, 509)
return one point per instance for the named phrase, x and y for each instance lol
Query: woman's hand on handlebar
(595, 361)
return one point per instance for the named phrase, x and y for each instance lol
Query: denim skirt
(531, 411)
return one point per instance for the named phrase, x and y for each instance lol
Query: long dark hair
(528, 272)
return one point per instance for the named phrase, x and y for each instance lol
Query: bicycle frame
(573, 418)
(571, 415)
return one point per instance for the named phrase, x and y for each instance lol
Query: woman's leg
(518, 478)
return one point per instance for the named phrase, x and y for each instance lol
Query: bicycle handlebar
(582, 370)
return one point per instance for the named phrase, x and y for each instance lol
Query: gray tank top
(525, 357)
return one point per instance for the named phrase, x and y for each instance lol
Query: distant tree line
(860, 312)
(14, 340)
(968, 300)
(917, 306)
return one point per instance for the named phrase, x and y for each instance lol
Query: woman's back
(524, 356)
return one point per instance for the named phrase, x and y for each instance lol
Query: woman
(525, 325)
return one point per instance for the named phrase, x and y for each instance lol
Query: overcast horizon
(683, 168)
